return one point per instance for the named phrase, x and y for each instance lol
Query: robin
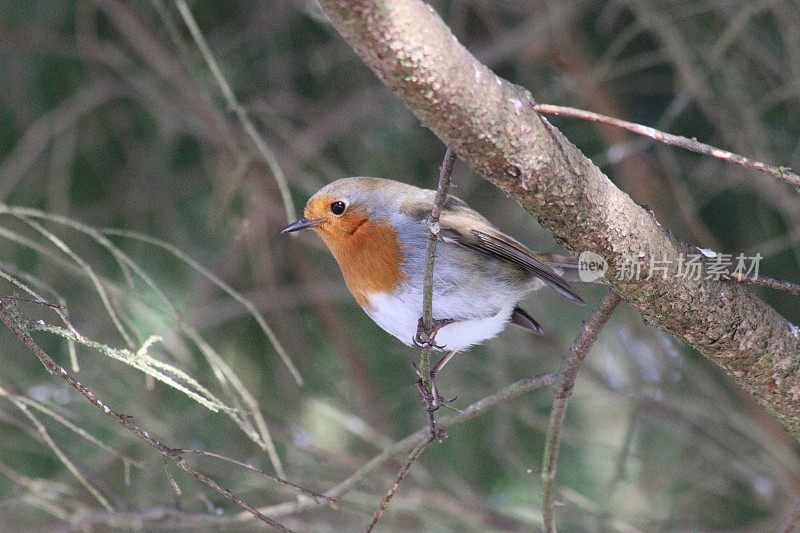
(377, 230)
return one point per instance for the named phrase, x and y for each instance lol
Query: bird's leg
(423, 340)
(431, 400)
(438, 399)
(425, 397)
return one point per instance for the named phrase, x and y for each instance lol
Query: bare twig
(415, 453)
(310, 493)
(233, 104)
(692, 145)
(445, 172)
(16, 323)
(566, 382)
(772, 283)
(478, 408)
(441, 195)
(58, 452)
(36, 301)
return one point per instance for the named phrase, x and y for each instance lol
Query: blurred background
(111, 118)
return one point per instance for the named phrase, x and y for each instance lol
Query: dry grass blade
(143, 361)
(10, 316)
(264, 150)
(45, 435)
(247, 304)
(72, 427)
(101, 290)
(222, 371)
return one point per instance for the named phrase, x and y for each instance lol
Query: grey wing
(462, 225)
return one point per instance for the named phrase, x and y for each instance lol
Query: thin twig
(60, 454)
(316, 495)
(478, 408)
(16, 323)
(566, 382)
(482, 407)
(234, 105)
(445, 172)
(772, 283)
(415, 453)
(692, 145)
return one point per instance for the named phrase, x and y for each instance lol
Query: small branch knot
(433, 226)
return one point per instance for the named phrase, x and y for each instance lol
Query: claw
(425, 397)
(430, 402)
(422, 340)
(431, 399)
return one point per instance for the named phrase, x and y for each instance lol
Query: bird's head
(340, 209)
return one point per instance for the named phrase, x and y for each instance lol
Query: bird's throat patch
(369, 255)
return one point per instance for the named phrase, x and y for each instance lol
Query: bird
(377, 230)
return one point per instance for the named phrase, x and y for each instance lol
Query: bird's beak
(303, 223)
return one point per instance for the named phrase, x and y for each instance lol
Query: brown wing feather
(462, 225)
(568, 268)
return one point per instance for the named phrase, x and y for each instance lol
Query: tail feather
(567, 267)
(519, 317)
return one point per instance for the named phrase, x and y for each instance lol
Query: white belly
(399, 318)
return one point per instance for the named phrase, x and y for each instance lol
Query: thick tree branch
(491, 125)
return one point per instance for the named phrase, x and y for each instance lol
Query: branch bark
(491, 124)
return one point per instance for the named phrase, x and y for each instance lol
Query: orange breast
(368, 253)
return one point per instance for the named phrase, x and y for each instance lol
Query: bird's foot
(431, 401)
(423, 340)
(430, 398)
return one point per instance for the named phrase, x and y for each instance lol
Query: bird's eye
(337, 208)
